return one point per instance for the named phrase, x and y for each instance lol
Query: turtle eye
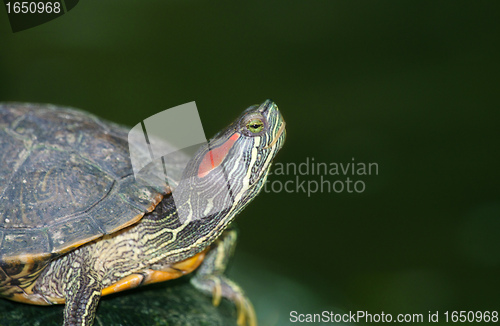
(255, 125)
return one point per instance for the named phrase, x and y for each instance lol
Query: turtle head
(231, 169)
(244, 150)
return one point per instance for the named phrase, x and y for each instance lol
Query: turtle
(77, 223)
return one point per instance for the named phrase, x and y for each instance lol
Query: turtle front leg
(210, 280)
(83, 292)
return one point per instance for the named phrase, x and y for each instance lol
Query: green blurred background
(411, 85)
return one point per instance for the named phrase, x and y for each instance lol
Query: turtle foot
(221, 287)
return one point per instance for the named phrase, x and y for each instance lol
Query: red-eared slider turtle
(77, 224)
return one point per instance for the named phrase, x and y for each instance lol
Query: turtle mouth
(278, 135)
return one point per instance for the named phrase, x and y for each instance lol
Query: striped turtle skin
(76, 224)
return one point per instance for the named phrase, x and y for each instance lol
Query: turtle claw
(216, 293)
(246, 312)
(221, 287)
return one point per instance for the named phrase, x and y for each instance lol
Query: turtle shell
(66, 178)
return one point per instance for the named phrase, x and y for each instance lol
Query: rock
(174, 303)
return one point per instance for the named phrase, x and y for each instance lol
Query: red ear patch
(215, 157)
